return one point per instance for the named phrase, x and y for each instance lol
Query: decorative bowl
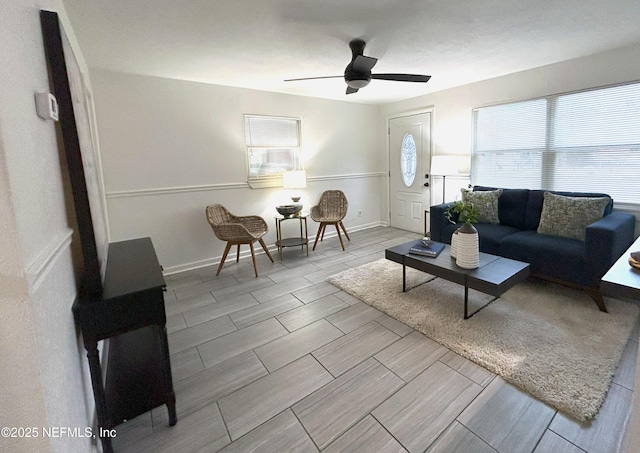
(288, 209)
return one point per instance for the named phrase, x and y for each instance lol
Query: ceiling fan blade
(351, 90)
(402, 77)
(364, 64)
(314, 78)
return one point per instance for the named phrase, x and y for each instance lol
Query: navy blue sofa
(568, 261)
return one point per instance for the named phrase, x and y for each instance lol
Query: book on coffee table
(433, 250)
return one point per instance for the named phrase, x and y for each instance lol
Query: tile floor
(287, 362)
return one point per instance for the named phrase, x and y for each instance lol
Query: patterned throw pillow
(570, 216)
(486, 201)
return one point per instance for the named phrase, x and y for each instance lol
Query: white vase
(454, 244)
(468, 247)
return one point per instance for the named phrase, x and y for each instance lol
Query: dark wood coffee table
(494, 275)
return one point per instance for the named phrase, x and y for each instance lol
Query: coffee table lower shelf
(494, 275)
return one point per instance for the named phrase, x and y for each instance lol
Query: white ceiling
(259, 43)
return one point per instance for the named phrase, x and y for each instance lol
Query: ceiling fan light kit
(357, 74)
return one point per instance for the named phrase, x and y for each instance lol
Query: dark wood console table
(131, 315)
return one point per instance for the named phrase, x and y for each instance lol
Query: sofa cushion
(512, 206)
(491, 235)
(549, 256)
(569, 216)
(486, 202)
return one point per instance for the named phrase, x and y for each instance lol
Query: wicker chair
(330, 210)
(236, 231)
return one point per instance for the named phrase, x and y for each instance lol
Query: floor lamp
(444, 166)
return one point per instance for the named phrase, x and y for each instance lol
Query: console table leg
(98, 391)
(171, 396)
(466, 302)
(404, 277)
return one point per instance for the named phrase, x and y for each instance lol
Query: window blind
(585, 141)
(273, 145)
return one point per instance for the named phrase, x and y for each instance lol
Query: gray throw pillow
(570, 216)
(486, 201)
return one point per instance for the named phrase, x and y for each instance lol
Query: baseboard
(214, 261)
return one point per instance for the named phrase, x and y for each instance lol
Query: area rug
(549, 340)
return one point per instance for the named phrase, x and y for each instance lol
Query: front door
(410, 159)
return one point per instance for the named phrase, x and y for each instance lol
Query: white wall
(453, 116)
(43, 373)
(171, 147)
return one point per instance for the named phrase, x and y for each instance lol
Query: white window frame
(579, 155)
(262, 139)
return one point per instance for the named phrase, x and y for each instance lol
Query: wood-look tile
(552, 443)
(211, 384)
(280, 289)
(458, 439)
(235, 343)
(192, 336)
(334, 260)
(240, 288)
(132, 431)
(310, 313)
(291, 347)
(357, 315)
(626, 371)
(330, 411)
(348, 298)
(420, 411)
(353, 348)
(181, 282)
(411, 355)
(473, 371)
(175, 322)
(507, 418)
(252, 405)
(261, 312)
(214, 310)
(283, 433)
(322, 274)
(195, 432)
(605, 433)
(185, 363)
(187, 303)
(315, 292)
(294, 273)
(366, 436)
(205, 287)
(394, 325)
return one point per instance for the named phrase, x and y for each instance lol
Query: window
(273, 146)
(408, 160)
(585, 141)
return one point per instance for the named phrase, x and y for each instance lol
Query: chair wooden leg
(317, 235)
(345, 231)
(238, 254)
(266, 250)
(224, 257)
(324, 227)
(253, 258)
(339, 236)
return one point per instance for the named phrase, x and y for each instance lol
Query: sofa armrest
(438, 222)
(608, 238)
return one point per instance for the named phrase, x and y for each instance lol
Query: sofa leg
(597, 298)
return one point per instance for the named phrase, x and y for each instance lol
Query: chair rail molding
(39, 268)
(231, 185)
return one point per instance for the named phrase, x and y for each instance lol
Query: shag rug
(549, 340)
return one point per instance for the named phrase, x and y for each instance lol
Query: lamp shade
(445, 165)
(294, 179)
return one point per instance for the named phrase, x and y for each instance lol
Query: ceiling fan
(357, 74)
